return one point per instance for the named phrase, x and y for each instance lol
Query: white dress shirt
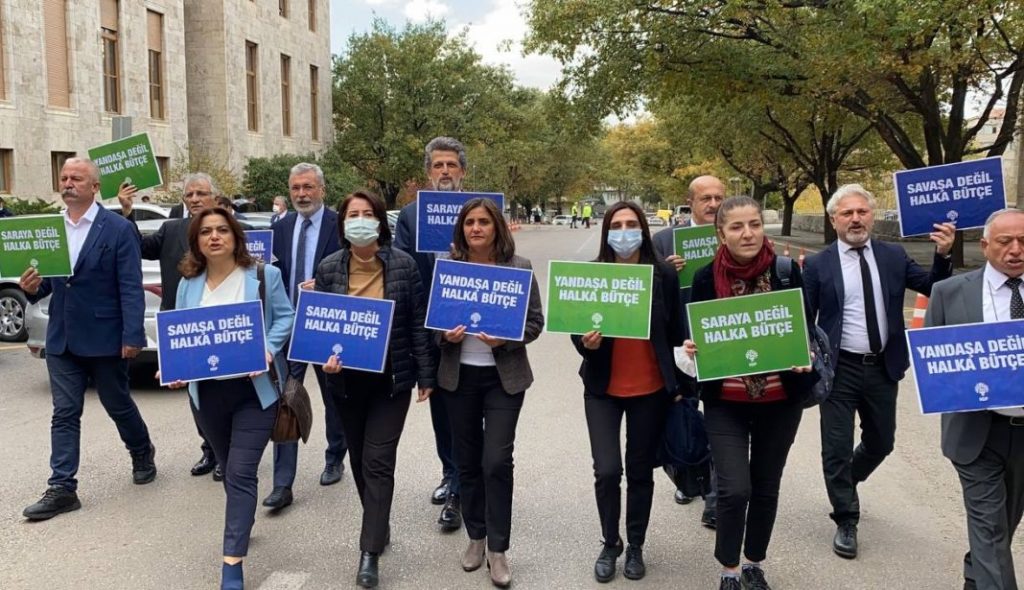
(995, 307)
(855, 331)
(77, 232)
(311, 239)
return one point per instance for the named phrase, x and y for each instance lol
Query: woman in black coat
(631, 378)
(372, 406)
(751, 421)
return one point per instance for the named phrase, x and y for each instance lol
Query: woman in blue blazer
(236, 414)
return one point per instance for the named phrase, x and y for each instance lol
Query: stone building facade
(176, 68)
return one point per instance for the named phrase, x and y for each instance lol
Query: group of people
(476, 384)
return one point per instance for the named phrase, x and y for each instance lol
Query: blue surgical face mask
(361, 231)
(625, 242)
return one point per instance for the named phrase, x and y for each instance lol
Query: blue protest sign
(436, 213)
(969, 366)
(963, 194)
(260, 243)
(485, 298)
(211, 342)
(357, 329)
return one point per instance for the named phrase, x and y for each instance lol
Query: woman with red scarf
(751, 421)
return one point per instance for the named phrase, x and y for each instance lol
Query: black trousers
(750, 443)
(645, 423)
(372, 420)
(238, 429)
(483, 420)
(993, 486)
(868, 391)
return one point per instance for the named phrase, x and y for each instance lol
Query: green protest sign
(612, 298)
(126, 160)
(751, 334)
(39, 240)
(697, 245)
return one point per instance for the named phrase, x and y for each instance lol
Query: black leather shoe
(278, 498)
(204, 465)
(730, 583)
(752, 578)
(56, 500)
(682, 498)
(218, 473)
(604, 567)
(143, 466)
(368, 576)
(451, 514)
(331, 474)
(845, 542)
(440, 493)
(634, 568)
(708, 518)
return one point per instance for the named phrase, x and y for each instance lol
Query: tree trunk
(389, 191)
(788, 204)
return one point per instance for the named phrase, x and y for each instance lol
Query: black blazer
(823, 287)
(405, 240)
(168, 244)
(796, 385)
(327, 243)
(666, 333)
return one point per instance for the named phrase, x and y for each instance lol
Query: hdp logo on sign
(484, 298)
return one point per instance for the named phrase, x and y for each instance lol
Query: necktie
(300, 259)
(874, 337)
(1016, 302)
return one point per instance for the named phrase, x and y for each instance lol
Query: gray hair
(280, 199)
(848, 190)
(199, 177)
(444, 144)
(303, 167)
(994, 216)
(93, 168)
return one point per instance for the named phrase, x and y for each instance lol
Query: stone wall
(885, 230)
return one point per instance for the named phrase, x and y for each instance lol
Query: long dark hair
(606, 254)
(194, 263)
(377, 204)
(504, 246)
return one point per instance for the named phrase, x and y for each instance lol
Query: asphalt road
(168, 534)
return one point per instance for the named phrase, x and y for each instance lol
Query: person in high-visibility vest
(587, 213)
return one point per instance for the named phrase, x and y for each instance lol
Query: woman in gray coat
(484, 380)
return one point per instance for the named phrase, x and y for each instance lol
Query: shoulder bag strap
(260, 275)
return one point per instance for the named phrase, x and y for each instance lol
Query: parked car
(562, 220)
(654, 221)
(13, 304)
(143, 211)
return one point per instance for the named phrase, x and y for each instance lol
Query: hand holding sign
(676, 261)
(125, 196)
(489, 341)
(333, 365)
(591, 340)
(943, 237)
(30, 281)
(455, 335)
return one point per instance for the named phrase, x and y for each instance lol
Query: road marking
(586, 242)
(285, 581)
(12, 347)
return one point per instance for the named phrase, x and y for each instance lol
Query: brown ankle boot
(501, 574)
(473, 558)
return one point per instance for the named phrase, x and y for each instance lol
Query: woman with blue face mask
(631, 378)
(372, 406)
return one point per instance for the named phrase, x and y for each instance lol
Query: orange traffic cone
(920, 306)
(800, 260)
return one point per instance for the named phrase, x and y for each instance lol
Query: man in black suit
(168, 245)
(705, 195)
(985, 446)
(4, 211)
(855, 288)
(445, 161)
(280, 209)
(302, 239)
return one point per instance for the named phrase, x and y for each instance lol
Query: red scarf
(727, 271)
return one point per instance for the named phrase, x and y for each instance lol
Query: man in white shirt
(987, 447)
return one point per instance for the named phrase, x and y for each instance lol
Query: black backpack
(820, 348)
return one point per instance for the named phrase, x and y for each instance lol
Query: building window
(312, 15)
(314, 99)
(58, 76)
(6, 166)
(164, 164)
(286, 95)
(111, 56)
(252, 84)
(155, 40)
(57, 160)
(282, 8)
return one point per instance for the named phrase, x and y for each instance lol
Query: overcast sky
(488, 22)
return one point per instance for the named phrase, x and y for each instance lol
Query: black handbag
(294, 409)
(684, 452)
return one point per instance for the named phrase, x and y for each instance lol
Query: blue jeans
(69, 374)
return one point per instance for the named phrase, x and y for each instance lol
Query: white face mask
(361, 231)
(278, 209)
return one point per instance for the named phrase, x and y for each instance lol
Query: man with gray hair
(985, 446)
(302, 239)
(168, 244)
(855, 288)
(444, 160)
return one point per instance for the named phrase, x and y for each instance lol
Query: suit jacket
(278, 316)
(101, 307)
(405, 240)
(510, 358)
(168, 244)
(327, 243)
(958, 300)
(177, 211)
(823, 284)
